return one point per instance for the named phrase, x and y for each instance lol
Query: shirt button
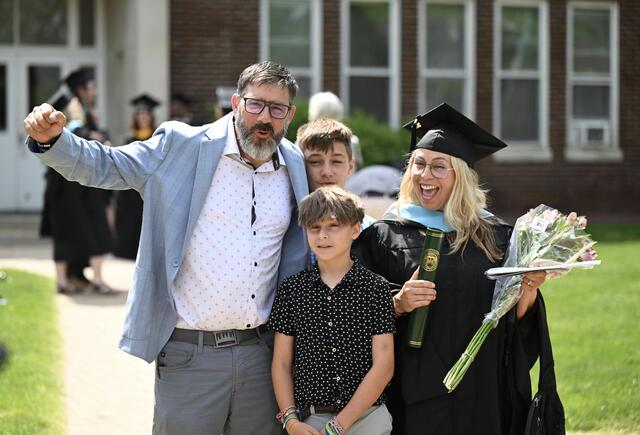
(328, 298)
(334, 349)
(253, 296)
(338, 401)
(330, 323)
(338, 378)
(255, 264)
(254, 233)
(248, 325)
(175, 263)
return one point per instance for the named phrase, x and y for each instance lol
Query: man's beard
(258, 149)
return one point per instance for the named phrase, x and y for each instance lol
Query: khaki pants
(375, 421)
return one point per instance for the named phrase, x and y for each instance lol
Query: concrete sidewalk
(106, 390)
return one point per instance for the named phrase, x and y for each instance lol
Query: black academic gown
(128, 219)
(74, 215)
(487, 401)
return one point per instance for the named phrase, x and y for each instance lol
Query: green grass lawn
(31, 380)
(594, 319)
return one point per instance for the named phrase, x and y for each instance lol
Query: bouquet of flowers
(542, 238)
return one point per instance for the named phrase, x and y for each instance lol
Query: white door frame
(21, 173)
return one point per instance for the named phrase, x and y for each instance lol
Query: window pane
(519, 108)
(3, 97)
(43, 22)
(445, 36)
(370, 95)
(6, 29)
(43, 82)
(448, 91)
(290, 24)
(519, 38)
(591, 102)
(87, 22)
(369, 34)
(591, 43)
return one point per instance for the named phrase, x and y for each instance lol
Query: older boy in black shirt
(333, 351)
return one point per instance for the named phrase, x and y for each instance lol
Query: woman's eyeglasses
(437, 169)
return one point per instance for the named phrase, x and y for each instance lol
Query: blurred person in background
(75, 216)
(181, 109)
(128, 220)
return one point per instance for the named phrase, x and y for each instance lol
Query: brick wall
(211, 43)
(595, 188)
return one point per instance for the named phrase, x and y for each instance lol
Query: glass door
(8, 149)
(40, 80)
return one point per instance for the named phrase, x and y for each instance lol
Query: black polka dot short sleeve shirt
(333, 331)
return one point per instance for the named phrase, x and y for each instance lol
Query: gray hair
(325, 105)
(267, 73)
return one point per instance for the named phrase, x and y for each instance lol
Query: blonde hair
(330, 202)
(464, 209)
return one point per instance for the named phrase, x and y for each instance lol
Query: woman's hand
(415, 293)
(531, 282)
(296, 427)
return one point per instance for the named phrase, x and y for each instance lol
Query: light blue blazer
(172, 171)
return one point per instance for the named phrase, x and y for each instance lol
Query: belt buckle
(225, 338)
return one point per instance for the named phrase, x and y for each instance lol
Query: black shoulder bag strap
(546, 413)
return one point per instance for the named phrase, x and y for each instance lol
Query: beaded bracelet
(288, 418)
(333, 427)
(286, 411)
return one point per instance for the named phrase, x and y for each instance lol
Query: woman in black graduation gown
(440, 189)
(129, 202)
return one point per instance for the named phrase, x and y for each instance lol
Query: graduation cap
(144, 102)
(448, 131)
(78, 78)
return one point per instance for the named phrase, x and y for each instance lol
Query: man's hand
(44, 123)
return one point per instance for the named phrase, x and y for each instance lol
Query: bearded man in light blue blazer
(219, 234)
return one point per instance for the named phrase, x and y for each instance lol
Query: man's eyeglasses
(255, 107)
(437, 169)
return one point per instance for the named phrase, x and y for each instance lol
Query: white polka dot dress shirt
(229, 273)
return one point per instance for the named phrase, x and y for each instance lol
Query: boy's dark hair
(321, 133)
(330, 202)
(267, 73)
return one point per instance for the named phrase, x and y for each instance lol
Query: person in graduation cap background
(440, 189)
(75, 216)
(128, 221)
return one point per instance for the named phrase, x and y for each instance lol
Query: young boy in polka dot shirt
(333, 323)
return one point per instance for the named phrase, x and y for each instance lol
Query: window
(291, 36)
(44, 80)
(446, 47)
(520, 88)
(87, 22)
(43, 22)
(6, 29)
(370, 49)
(592, 81)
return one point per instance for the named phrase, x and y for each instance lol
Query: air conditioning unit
(592, 133)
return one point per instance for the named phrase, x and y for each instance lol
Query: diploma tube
(429, 261)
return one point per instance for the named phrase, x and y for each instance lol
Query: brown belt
(226, 338)
(317, 409)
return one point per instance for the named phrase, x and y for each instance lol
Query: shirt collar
(232, 151)
(347, 279)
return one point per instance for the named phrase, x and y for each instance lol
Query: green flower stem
(459, 369)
